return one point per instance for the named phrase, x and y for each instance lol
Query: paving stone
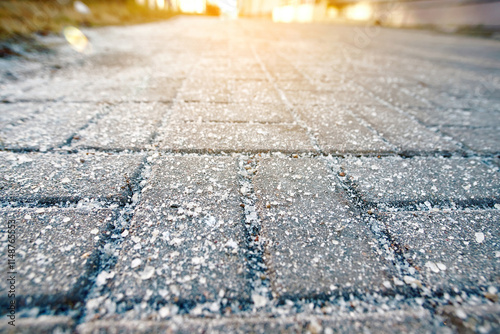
(16, 113)
(398, 96)
(437, 180)
(407, 134)
(187, 239)
(222, 112)
(338, 131)
(234, 137)
(51, 178)
(472, 319)
(127, 126)
(56, 252)
(337, 98)
(229, 91)
(159, 89)
(483, 140)
(455, 117)
(404, 321)
(51, 127)
(43, 324)
(453, 251)
(312, 234)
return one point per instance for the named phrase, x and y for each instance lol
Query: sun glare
(358, 12)
(192, 6)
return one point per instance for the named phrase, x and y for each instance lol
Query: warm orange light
(192, 6)
(358, 12)
(160, 4)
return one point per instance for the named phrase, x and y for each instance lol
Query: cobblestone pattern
(279, 178)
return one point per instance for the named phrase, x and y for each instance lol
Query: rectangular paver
(407, 134)
(234, 137)
(339, 132)
(483, 140)
(51, 127)
(437, 180)
(50, 178)
(56, 252)
(231, 112)
(186, 239)
(126, 126)
(453, 251)
(312, 235)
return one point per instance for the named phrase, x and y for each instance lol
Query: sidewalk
(200, 175)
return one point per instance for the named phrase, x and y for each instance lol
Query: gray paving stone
(187, 239)
(337, 98)
(16, 113)
(127, 126)
(56, 251)
(472, 319)
(455, 117)
(453, 251)
(158, 89)
(312, 234)
(229, 91)
(437, 180)
(483, 140)
(222, 112)
(53, 126)
(404, 321)
(407, 134)
(43, 324)
(398, 96)
(51, 178)
(234, 137)
(337, 131)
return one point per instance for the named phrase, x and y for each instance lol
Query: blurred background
(24, 17)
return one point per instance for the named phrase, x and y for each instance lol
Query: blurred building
(388, 12)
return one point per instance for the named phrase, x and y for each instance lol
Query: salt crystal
(135, 263)
(66, 219)
(258, 300)
(94, 231)
(432, 266)
(65, 180)
(147, 273)
(441, 266)
(479, 237)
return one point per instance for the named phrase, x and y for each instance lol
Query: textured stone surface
(453, 251)
(186, 243)
(312, 234)
(437, 180)
(405, 133)
(229, 91)
(50, 178)
(234, 137)
(126, 126)
(222, 112)
(52, 126)
(56, 252)
(482, 140)
(338, 131)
